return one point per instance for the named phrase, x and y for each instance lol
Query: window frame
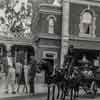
(92, 25)
(51, 26)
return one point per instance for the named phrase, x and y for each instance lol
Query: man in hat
(11, 74)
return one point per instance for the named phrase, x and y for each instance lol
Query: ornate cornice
(90, 39)
(85, 2)
(49, 8)
(14, 41)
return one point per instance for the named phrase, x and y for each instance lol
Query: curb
(23, 96)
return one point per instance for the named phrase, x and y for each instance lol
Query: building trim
(49, 5)
(50, 12)
(51, 16)
(49, 46)
(15, 41)
(91, 3)
(44, 36)
(90, 39)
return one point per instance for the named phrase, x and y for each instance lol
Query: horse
(71, 84)
(49, 77)
(62, 80)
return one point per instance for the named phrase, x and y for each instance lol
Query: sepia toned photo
(49, 49)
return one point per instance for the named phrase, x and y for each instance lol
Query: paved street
(82, 96)
(43, 97)
(41, 94)
(40, 89)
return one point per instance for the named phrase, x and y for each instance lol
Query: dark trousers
(32, 87)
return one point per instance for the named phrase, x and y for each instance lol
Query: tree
(17, 15)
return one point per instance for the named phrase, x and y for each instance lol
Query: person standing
(10, 76)
(26, 70)
(32, 72)
(11, 79)
(18, 71)
(21, 80)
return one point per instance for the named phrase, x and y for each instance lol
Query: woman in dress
(26, 71)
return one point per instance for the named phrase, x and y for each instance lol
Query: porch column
(9, 56)
(65, 30)
(15, 58)
(1, 54)
(8, 49)
(26, 55)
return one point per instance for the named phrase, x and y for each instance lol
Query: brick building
(69, 22)
(55, 24)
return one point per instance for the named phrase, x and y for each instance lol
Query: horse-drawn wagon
(87, 73)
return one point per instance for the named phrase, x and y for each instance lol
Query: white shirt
(9, 59)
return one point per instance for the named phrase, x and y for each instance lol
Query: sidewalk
(40, 89)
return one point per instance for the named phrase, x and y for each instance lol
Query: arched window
(51, 24)
(87, 24)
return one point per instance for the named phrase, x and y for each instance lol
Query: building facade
(16, 37)
(69, 22)
(83, 27)
(46, 28)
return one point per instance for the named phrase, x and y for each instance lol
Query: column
(9, 56)
(1, 54)
(26, 55)
(65, 29)
(8, 48)
(15, 55)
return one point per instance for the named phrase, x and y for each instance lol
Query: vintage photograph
(49, 49)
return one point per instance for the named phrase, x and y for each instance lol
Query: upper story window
(51, 24)
(87, 24)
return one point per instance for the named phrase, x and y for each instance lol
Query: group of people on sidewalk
(21, 74)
